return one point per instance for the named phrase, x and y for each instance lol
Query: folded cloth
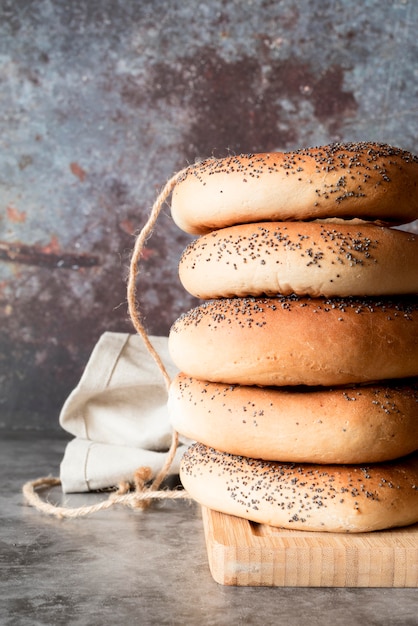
(89, 466)
(118, 415)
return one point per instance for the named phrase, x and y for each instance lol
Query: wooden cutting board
(243, 553)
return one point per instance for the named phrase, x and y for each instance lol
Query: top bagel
(367, 181)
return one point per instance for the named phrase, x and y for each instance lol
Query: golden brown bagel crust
(365, 424)
(332, 498)
(370, 181)
(292, 340)
(306, 258)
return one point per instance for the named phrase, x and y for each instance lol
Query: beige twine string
(141, 497)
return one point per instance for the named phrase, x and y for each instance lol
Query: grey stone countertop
(147, 567)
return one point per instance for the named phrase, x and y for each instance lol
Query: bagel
(330, 498)
(366, 424)
(368, 181)
(307, 258)
(291, 340)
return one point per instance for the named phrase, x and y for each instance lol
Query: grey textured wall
(102, 101)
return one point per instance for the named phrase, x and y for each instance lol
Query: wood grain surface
(242, 553)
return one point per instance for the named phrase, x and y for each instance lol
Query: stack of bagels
(299, 369)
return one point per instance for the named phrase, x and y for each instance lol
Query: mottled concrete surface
(145, 568)
(100, 102)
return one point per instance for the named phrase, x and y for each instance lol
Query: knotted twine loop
(141, 497)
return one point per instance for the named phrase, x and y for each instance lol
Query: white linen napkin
(118, 415)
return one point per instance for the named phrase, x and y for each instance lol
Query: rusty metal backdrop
(101, 101)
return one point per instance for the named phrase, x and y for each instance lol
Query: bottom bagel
(328, 498)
